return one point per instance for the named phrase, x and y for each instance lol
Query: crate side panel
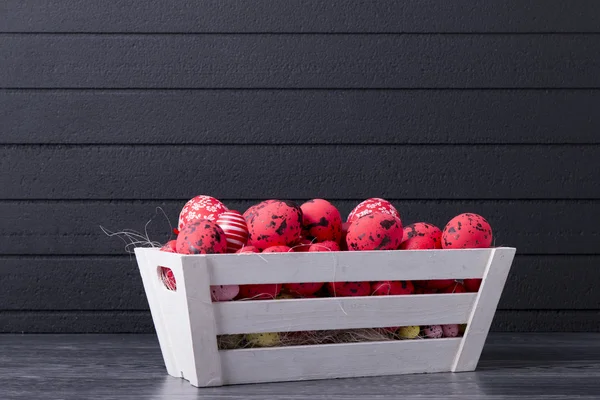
(169, 310)
(238, 269)
(338, 360)
(342, 313)
(483, 312)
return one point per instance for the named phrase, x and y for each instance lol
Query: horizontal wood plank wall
(110, 110)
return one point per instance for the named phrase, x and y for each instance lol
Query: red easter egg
(373, 205)
(467, 231)
(277, 249)
(170, 246)
(321, 220)
(418, 243)
(349, 289)
(166, 274)
(455, 288)
(375, 231)
(303, 246)
(236, 232)
(201, 237)
(437, 284)
(472, 285)
(421, 235)
(273, 223)
(343, 244)
(423, 290)
(248, 249)
(200, 207)
(324, 246)
(307, 289)
(392, 288)
(259, 292)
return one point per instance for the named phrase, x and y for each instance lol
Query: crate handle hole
(166, 276)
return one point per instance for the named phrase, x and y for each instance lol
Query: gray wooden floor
(128, 367)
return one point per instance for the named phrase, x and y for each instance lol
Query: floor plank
(543, 366)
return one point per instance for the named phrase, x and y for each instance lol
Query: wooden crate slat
(338, 360)
(346, 266)
(342, 313)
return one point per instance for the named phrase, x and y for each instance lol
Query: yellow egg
(268, 339)
(409, 332)
(462, 328)
(228, 342)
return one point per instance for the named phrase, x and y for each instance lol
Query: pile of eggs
(207, 226)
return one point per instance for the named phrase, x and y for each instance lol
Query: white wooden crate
(187, 322)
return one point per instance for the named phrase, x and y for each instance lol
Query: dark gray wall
(110, 109)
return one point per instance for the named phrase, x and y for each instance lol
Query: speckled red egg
(327, 245)
(472, 285)
(467, 231)
(420, 236)
(375, 231)
(303, 246)
(259, 292)
(373, 205)
(423, 290)
(248, 249)
(273, 223)
(170, 246)
(321, 220)
(392, 288)
(418, 243)
(277, 249)
(201, 237)
(454, 288)
(166, 274)
(343, 244)
(349, 289)
(200, 207)
(307, 289)
(437, 284)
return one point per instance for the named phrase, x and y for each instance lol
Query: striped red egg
(234, 225)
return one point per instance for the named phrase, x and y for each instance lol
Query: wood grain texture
(115, 321)
(342, 313)
(304, 363)
(426, 172)
(73, 227)
(300, 61)
(538, 282)
(115, 367)
(299, 16)
(299, 116)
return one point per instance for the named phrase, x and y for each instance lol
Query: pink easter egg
(224, 292)
(433, 331)
(450, 330)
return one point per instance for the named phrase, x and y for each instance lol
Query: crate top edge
(321, 254)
